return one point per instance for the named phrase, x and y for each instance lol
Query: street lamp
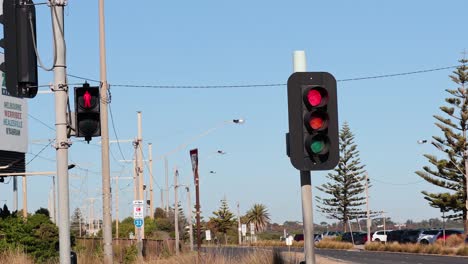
(238, 121)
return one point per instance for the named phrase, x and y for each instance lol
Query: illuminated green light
(317, 146)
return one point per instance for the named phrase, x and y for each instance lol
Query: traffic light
(18, 43)
(312, 141)
(87, 112)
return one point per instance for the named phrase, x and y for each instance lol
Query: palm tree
(259, 216)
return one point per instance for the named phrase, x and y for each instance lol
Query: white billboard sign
(14, 120)
(208, 235)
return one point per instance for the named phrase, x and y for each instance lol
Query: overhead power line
(263, 85)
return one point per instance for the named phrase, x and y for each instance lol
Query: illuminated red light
(87, 100)
(314, 97)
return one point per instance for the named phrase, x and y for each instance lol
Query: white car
(380, 235)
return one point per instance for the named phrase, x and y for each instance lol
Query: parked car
(411, 235)
(395, 235)
(329, 234)
(380, 235)
(359, 238)
(449, 232)
(299, 237)
(428, 236)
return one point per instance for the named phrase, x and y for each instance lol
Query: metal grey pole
(367, 209)
(15, 194)
(176, 212)
(54, 204)
(151, 198)
(139, 178)
(239, 233)
(167, 183)
(62, 144)
(189, 205)
(106, 185)
(299, 62)
(117, 207)
(25, 198)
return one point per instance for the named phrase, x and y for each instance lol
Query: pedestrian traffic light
(18, 43)
(312, 141)
(87, 112)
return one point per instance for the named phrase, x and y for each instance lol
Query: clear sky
(187, 43)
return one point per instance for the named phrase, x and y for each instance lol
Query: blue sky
(251, 42)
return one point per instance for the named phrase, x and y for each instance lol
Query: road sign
(138, 202)
(208, 235)
(289, 240)
(244, 229)
(138, 222)
(138, 212)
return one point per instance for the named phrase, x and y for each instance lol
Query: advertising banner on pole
(14, 119)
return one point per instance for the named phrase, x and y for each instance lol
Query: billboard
(14, 120)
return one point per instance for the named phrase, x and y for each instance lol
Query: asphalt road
(353, 256)
(370, 257)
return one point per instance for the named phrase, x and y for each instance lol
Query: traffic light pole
(299, 62)
(60, 89)
(106, 187)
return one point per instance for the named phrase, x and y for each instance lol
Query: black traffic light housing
(19, 42)
(87, 112)
(312, 141)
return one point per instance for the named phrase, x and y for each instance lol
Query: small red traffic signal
(313, 121)
(87, 112)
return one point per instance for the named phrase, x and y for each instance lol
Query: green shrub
(131, 254)
(37, 236)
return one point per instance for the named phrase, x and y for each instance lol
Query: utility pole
(176, 211)
(189, 205)
(140, 232)
(150, 157)
(239, 233)
(15, 194)
(167, 183)
(60, 88)
(106, 186)
(91, 215)
(25, 199)
(116, 207)
(117, 202)
(54, 208)
(299, 62)
(466, 189)
(197, 206)
(367, 209)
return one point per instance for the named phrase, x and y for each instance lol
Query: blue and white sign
(138, 222)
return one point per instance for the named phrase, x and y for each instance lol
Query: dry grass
(15, 257)
(258, 257)
(453, 247)
(333, 244)
(452, 241)
(274, 243)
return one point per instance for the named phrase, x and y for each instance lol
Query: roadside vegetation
(453, 246)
